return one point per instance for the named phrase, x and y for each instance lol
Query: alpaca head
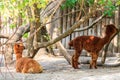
(18, 48)
(110, 29)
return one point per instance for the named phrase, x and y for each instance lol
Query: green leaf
(90, 2)
(25, 1)
(1, 6)
(101, 2)
(38, 6)
(68, 4)
(43, 3)
(109, 8)
(23, 14)
(118, 3)
(12, 26)
(25, 35)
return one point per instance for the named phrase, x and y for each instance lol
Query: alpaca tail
(71, 43)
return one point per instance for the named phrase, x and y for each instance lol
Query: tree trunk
(37, 35)
(59, 45)
(68, 32)
(41, 34)
(45, 38)
(30, 40)
(106, 48)
(64, 52)
(10, 42)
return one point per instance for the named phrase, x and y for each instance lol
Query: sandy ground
(57, 68)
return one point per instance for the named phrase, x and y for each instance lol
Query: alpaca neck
(18, 56)
(106, 39)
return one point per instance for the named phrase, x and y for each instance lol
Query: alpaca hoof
(90, 67)
(78, 63)
(77, 68)
(95, 67)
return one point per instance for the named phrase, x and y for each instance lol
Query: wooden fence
(5, 30)
(65, 22)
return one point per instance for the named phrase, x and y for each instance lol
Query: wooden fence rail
(98, 30)
(65, 22)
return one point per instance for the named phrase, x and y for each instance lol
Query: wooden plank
(99, 29)
(82, 32)
(116, 37)
(119, 32)
(95, 30)
(90, 31)
(76, 19)
(110, 49)
(72, 22)
(64, 27)
(68, 26)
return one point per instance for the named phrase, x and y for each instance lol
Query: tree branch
(50, 11)
(106, 48)
(76, 25)
(6, 36)
(64, 52)
(17, 35)
(91, 25)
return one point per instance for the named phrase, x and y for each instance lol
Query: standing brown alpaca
(25, 65)
(91, 44)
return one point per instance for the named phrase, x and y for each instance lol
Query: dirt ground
(57, 68)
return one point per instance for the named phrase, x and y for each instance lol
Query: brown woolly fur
(91, 44)
(25, 65)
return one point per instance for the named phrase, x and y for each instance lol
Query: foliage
(46, 36)
(12, 8)
(90, 2)
(108, 5)
(72, 3)
(25, 35)
(69, 4)
(118, 2)
(12, 26)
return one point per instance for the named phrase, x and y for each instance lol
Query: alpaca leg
(24, 70)
(95, 60)
(17, 69)
(75, 59)
(93, 63)
(74, 62)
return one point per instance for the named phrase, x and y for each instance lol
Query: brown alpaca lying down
(91, 44)
(25, 65)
